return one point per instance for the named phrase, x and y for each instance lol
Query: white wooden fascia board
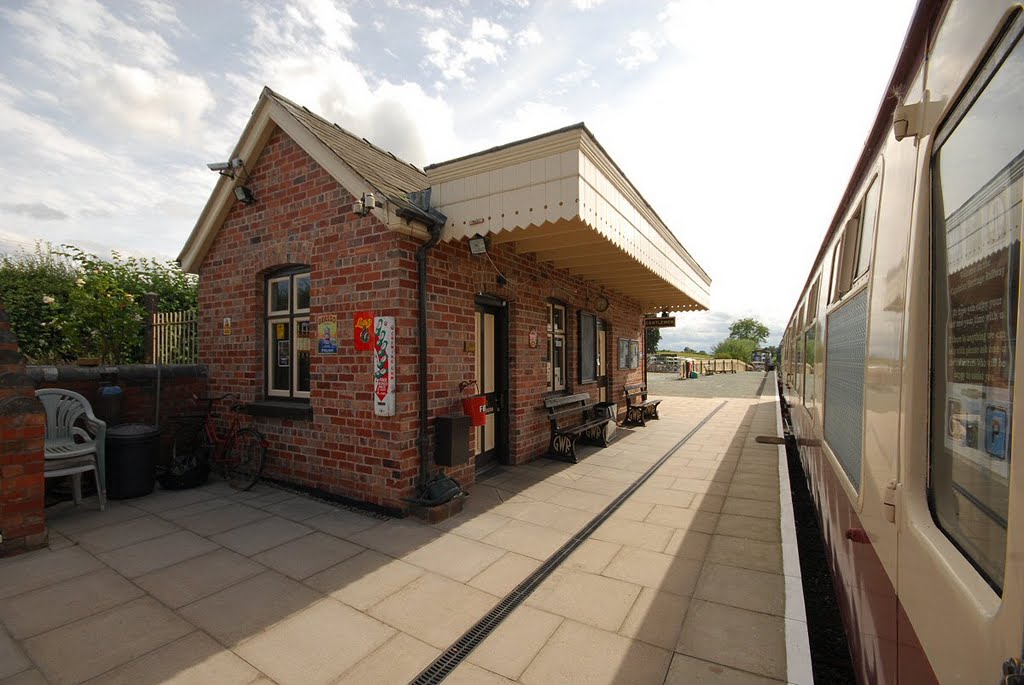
(512, 155)
(250, 145)
(605, 166)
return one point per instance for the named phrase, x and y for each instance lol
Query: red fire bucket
(474, 408)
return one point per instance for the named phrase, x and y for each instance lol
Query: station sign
(660, 322)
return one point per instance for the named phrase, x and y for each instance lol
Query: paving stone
(688, 544)
(579, 653)
(342, 523)
(299, 508)
(396, 537)
(150, 555)
(434, 609)
(43, 567)
(47, 608)
(261, 535)
(657, 571)
(512, 646)
(29, 677)
(646, 535)
(474, 527)
(686, 670)
(307, 555)
(749, 527)
(70, 520)
(683, 519)
(527, 539)
(595, 600)
(108, 538)
(656, 618)
(195, 658)
(505, 574)
(750, 507)
(744, 588)
(399, 660)
(712, 632)
(365, 579)
(754, 554)
(471, 674)
(86, 648)
(592, 556)
(198, 577)
(164, 500)
(12, 659)
(316, 644)
(221, 519)
(246, 609)
(455, 557)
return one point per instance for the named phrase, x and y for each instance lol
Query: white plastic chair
(69, 448)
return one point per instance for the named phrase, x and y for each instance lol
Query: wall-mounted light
(478, 245)
(244, 194)
(367, 202)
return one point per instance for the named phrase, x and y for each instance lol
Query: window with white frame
(288, 333)
(555, 352)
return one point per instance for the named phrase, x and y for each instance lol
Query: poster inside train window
(977, 188)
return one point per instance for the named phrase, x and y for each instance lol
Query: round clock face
(601, 303)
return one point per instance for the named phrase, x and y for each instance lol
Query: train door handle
(858, 535)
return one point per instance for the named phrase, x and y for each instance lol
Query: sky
(740, 122)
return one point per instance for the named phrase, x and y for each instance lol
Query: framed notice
(284, 353)
(629, 353)
(363, 331)
(384, 366)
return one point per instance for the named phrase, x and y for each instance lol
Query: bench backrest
(569, 405)
(637, 391)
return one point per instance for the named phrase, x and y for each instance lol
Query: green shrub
(735, 348)
(71, 304)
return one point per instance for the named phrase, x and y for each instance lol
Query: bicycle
(240, 452)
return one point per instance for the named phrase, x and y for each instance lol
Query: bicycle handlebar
(197, 398)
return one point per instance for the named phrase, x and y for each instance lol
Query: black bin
(451, 440)
(131, 454)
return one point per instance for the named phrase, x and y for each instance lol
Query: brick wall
(303, 217)
(22, 431)
(138, 401)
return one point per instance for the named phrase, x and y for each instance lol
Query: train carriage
(900, 364)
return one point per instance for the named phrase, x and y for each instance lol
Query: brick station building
(539, 259)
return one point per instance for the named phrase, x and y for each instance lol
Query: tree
(652, 340)
(735, 348)
(749, 329)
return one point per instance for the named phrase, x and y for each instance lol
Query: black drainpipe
(423, 440)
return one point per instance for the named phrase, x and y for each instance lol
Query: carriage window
(976, 194)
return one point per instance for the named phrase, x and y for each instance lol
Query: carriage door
(490, 443)
(602, 361)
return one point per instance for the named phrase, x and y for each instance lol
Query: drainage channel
(471, 639)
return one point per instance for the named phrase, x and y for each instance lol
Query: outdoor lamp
(478, 245)
(244, 194)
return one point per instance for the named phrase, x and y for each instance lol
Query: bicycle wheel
(243, 459)
(189, 464)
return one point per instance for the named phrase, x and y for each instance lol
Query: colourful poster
(327, 335)
(363, 331)
(384, 366)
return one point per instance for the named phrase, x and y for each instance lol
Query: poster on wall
(327, 335)
(384, 366)
(363, 324)
(284, 353)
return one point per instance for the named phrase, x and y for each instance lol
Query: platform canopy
(561, 198)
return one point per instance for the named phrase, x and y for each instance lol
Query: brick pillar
(22, 430)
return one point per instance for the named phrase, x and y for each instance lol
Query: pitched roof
(380, 168)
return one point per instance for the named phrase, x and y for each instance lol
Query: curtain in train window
(976, 191)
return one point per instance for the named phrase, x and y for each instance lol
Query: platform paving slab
(684, 583)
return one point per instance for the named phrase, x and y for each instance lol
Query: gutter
(418, 210)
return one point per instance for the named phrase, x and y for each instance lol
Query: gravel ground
(741, 384)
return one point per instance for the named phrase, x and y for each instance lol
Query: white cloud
(584, 5)
(529, 36)
(455, 58)
(641, 51)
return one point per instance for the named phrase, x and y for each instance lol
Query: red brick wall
(22, 431)
(138, 401)
(302, 216)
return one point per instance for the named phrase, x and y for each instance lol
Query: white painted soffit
(560, 197)
(267, 117)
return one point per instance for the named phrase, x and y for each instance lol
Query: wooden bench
(638, 407)
(569, 409)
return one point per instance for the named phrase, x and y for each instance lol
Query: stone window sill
(278, 409)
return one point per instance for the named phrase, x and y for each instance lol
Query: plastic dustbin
(607, 410)
(131, 454)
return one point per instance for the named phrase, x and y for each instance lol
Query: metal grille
(175, 337)
(471, 639)
(844, 383)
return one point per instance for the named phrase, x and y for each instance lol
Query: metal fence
(174, 337)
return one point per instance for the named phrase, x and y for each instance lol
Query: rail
(175, 337)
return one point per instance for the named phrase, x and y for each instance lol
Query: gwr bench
(565, 410)
(638, 407)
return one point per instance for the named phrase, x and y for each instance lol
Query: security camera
(236, 163)
(219, 166)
